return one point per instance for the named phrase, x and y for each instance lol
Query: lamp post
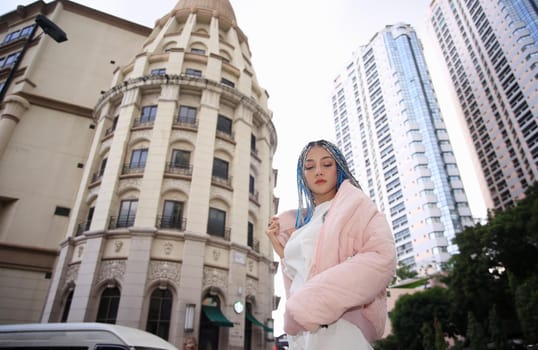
(49, 28)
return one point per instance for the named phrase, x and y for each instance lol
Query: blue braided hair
(306, 197)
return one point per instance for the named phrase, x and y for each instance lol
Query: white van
(78, 336)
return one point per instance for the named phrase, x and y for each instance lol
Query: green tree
(526, 301)
(496, 265)
(440, 343)
(413, 310)
(475, 334)
(496, 331)
(427, 336)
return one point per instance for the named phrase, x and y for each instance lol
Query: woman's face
(320, 174)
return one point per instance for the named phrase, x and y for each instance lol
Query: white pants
(339, 335)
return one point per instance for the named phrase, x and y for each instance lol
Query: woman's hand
(273, 231)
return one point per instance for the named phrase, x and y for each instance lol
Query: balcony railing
(186, 124)
(253, 196)
(180, 169)
(133, 168)
(223, 234)
(143, 122)
(82, 227)
(171, 223)
(96, 177)
(121, 221)
(110, 131)
(222, 181)
(255, 245)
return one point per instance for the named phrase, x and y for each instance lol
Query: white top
(298, 254)
(301, 247)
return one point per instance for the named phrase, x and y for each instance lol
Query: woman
(338, 256)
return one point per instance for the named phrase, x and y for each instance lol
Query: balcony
(82, 227)
(222, 181)
(178, 169)
(169, 222)
(255, 245)
(120, 222)
(143, 122)
(224, 234)
(253, 196)
(187, 124)
(133, 168)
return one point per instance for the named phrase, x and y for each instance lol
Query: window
(251, 184)
(148, 114)
(127, 213)
(172, 215)
(198, 51)
(227, 82)
(11, 59)
(224, 124)
(158, 71)
(187, 115)
(253, 143)
(216, 222)
(113, 127)
(181, 159)
(138, 158)
(89, 219)
(160, 307)
(193, 72)
(102, 167)
(108, 306)
(220, 168)
(250, 235)
(26, 31)
(67, 306)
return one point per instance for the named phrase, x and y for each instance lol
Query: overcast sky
(298, 48)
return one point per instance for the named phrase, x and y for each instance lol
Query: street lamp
(49, 28)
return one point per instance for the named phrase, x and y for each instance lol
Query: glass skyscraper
(389, 125)
(491, 53)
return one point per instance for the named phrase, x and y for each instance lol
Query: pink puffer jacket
(354, 262)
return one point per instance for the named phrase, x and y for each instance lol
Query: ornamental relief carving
(71, 274)
(111, 269)
(214, 277)
(164, 270)
(251, 287)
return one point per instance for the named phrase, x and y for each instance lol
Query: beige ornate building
(140, 161)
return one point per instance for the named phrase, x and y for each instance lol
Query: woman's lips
(320, 181)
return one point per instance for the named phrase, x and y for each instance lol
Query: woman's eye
(328, 165)
(308, 167)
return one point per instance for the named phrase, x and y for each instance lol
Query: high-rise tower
(390, 127)
(166, 231)
(491, 52)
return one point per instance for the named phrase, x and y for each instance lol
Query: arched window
(67, 306)
(108, 306)
(160, 310)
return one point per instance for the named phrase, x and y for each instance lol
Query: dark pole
(49, 28)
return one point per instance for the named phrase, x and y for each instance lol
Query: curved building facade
(167, 229)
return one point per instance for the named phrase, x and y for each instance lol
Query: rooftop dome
(222, 7)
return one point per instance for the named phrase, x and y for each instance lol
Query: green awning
(253, 319)
(216, 316)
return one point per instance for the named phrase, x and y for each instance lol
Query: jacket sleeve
(354, 282)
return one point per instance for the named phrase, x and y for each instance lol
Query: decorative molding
(164, 270)
(112, 270)
(251, 287)
(214, 277)
(71, 274)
